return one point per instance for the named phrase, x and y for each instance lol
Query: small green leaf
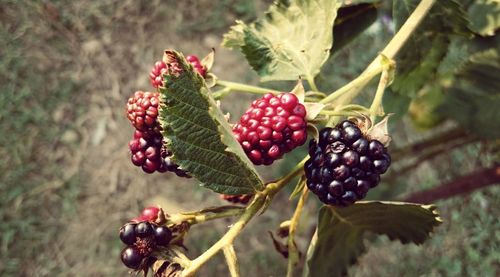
(293, 40)
(198, 134)
(352, 20)
(340, 232)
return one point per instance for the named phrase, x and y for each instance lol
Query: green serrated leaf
(293, 40)
(421, 56)
(473, 96)
(340, 232)
(352, 20)
(198, 134)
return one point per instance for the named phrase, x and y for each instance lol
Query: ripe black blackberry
(149, 152)
(344, 164)
(142, 239)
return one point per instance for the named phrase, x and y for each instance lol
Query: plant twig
(233, 86)
(310, 80)
(232, 260)
(206, 215)
(293, 254)
(252, 209)
(376, 105)
(465, 184)
(390, 51)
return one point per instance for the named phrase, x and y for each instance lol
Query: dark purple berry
(336, 188)
(376, 149)
(131, 257)
(163, 235)
(351, 133)
(380, 166)
(127, 233)
(350, 158)
(143, 229)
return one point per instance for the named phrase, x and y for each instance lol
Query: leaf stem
(312, 84)
(293, 254)
(245, 88)
(377, 100)
(354, 86)
(231, 260)
(203, 216)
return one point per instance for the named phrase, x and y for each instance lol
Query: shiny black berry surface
(344, 165)
(127, 234)
(131, 257)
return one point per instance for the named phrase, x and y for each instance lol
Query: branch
(205, 215)
(232, 260)
(465, 184)
(390, 51)
(252, 209)
(293, 254)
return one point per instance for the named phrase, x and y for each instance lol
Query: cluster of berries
(271, 127)
(147, 148)
(142, 236)
(344, 164)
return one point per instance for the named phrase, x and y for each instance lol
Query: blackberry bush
(271, 127)
(183, 122)
(344, 164)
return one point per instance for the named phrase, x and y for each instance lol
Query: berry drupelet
(271, 127)
(344, 164)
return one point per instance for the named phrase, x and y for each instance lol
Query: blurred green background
(66, 181)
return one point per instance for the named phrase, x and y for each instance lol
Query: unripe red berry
(142, 110)
(271, 127)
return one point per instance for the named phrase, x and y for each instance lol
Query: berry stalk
(245, 88)
(293, 254)
(376, 105)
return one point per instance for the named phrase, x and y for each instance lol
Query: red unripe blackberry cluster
(142, 110)
(271, 127)
(237, 199)
(344, 164)
(160, 68)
